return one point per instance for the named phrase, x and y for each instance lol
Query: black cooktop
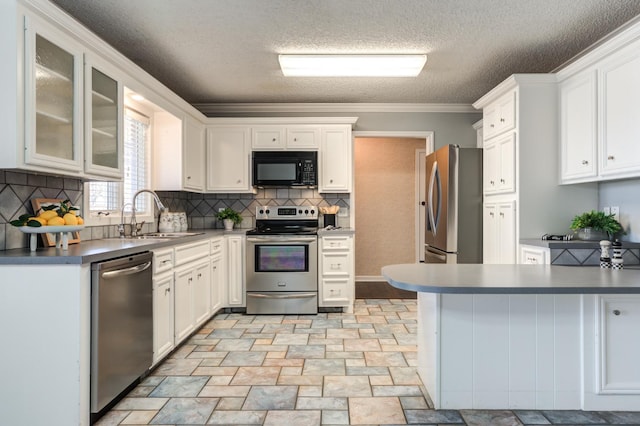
(279, 227)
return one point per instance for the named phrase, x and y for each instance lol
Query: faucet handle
(139, 226)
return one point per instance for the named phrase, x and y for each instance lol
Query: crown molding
(212, 109)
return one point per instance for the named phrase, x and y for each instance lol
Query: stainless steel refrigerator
(453, 232)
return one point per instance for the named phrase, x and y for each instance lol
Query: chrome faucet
(121, 226)
(134, 225)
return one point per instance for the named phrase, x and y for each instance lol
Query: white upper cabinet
(499, 164)
(228, 159)
(500, 116)
(599, 117)
(578, 138)
(335, 161)
(620, 112)
(193, 175)
(303, 137)
(53, 98)
(268, 137)
(103, 120)
(277, 137)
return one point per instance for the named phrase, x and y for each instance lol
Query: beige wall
(385, 202)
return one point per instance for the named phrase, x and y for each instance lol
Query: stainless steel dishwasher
(121, 325)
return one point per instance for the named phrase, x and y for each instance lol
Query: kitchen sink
(161, 235)
(170, 234)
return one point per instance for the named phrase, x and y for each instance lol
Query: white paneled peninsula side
(526, 336)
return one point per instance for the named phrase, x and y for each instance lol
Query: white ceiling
(225, 51)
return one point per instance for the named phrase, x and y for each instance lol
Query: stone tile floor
(325, 369)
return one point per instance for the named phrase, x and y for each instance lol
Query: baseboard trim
(369, 278)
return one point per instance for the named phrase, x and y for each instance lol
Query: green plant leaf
(34, 224)
(17, 222)
(23, 217)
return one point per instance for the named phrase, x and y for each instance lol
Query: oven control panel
(286, 212)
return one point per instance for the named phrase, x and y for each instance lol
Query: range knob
(306, 212)
(261, 211)
(267, 212)
(313, 211)
(300, 211)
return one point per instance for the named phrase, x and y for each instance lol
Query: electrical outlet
(615, 211)
(606, 210)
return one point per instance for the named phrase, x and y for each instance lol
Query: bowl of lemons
(59, 219)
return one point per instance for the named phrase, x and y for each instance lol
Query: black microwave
(285, 168)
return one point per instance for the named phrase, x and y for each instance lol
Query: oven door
(282, 263)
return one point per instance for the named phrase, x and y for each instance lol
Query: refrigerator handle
(432, 181)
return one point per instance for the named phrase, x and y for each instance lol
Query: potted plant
(596, 225)
(229, 217)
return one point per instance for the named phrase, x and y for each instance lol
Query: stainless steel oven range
(282, 261)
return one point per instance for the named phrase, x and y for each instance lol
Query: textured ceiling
(225, 51)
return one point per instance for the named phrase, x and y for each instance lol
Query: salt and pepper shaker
(605, 259)
(617, 263)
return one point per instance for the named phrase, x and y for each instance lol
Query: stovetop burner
(289, 220)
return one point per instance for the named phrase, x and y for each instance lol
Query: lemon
(47, 214)
(55, 221)
(70, 219)
(40, 219)
(80, 221)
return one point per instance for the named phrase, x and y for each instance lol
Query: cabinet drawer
(336, 264)
(188, 252)
(216, 246)
(533, 256)
(335, 291)
(336, 243)
(162, 261)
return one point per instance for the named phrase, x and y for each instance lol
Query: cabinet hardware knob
(616, 312)
(502, 120)
(491, 214)
(188, 177)
(611, 157)
(491, 182)
(492, 125)
(199, 275)
(501, 180)
(274, 139)
(330, 180)
(295, 139)
(501, 214)
(585, 162)
(239, 180)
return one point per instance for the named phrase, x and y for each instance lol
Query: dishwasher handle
(126, 271)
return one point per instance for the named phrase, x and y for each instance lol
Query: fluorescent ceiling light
(137, 97)
(352, 65)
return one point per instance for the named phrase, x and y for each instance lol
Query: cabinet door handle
(491, 214)
(501, 214)
(611, 157)
(501, 180)
(167, 290)
(502, 120)
(616, 312)
(585, 162)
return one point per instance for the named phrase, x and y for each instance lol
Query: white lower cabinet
(218, 271)
(235, 271)
(532, 255)
(163, 302)
(611, 377)
(336, 271)
(192, 297)
(162, 316)
(499, 227)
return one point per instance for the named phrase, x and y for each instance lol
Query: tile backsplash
(202, 208)
(16, 191)
(18, 188)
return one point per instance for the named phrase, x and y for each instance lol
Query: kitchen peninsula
(526, 336)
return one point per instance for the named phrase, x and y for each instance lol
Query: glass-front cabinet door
(103, 120)
(53, 98)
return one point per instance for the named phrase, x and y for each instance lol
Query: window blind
(110, 196)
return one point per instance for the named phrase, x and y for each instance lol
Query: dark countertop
(511, 279)
(573, 244)
(98, 250)
(340, 231)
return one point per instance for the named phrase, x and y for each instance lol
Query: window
(108, 197)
